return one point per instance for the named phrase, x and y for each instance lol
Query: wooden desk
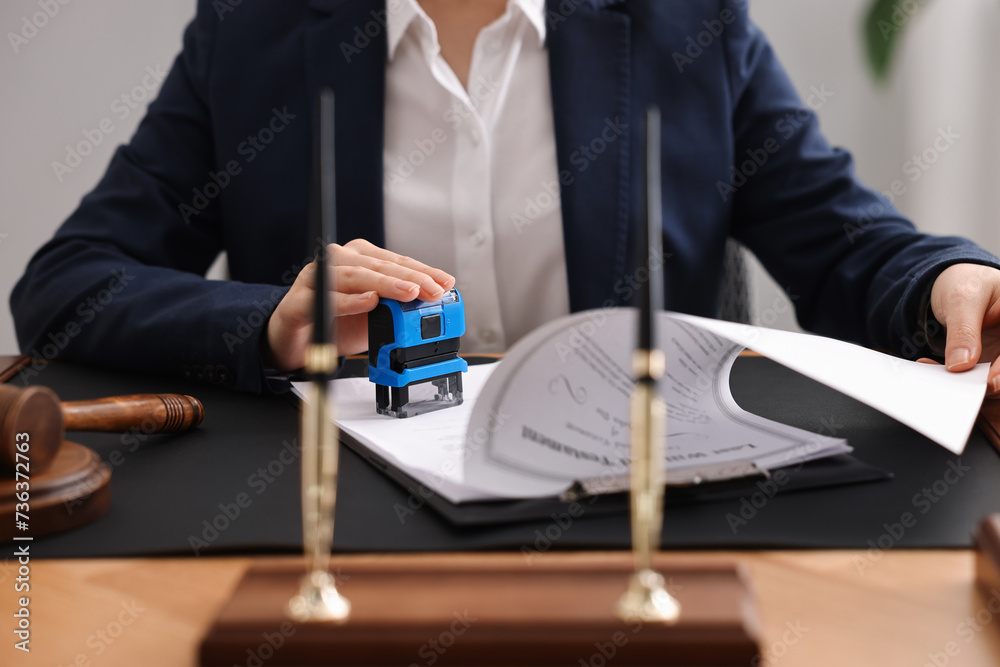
(816, 609)
(837, 608)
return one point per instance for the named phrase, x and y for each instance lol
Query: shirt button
(478, 238)
(475, 136)
(487, 335)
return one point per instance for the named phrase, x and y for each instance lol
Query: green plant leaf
(883, 26)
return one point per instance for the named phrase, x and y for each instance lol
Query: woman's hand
(362, 273)
(965, 298)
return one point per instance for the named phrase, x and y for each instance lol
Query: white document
(555, 411)
(926, 397)
(429, 447)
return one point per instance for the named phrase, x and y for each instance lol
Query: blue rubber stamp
(413, 355)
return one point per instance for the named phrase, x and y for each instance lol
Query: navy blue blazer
(222, 161)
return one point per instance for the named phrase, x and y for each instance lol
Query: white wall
(949, 75)
(64, 80)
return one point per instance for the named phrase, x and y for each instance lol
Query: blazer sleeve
(855, 268)
(121, 283)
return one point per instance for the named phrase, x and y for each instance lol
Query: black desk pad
(181, 494)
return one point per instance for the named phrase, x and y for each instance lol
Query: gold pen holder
(556, 603)
(318, 599)
(646, 598)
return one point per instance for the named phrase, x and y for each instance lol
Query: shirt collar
(401, 13)
(534, 10)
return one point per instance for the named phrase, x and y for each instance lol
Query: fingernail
(366, 295)
(406, 285)
(995, 385)
(957, 357)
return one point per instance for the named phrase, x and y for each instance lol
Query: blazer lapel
(345, 48)
(589, 71)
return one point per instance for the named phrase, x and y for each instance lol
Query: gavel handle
(152, 413)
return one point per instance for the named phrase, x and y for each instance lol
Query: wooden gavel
(38, 413)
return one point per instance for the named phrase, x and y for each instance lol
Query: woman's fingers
(363, 247)
(354, 304)
(391, 281)
(360, 279)
(432, 282)
(297, 306)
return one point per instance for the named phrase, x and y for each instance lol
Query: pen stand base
(72, 492)
(487, 609)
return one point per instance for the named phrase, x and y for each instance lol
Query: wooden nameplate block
(989, 421)
(487, 609)
(987, 538)
(73, 491)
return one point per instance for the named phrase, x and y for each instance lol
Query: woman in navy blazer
(121, 283)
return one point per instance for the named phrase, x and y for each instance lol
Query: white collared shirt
(470, 175)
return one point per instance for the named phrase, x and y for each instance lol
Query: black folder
(832, 471)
